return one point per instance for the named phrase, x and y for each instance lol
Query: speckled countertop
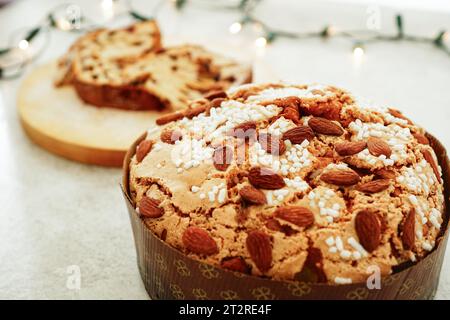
(64, 230)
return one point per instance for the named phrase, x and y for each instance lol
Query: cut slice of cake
(98, 58)
(179, 74)
(129, 69)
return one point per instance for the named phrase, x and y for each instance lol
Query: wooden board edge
(74, 152)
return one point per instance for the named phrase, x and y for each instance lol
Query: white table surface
(56, 214)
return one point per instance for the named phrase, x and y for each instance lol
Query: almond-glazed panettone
(290, 182)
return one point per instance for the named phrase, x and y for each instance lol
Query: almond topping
(236, 264)
(378, 147)
(298, 134)
(374, 186)
(259, 247)
(350, 148)
(149, 208)
(385, 173)
(421, 138)
(430, 159)
(174, 116)
(368, 229)
(215, 103)
(170, 136)
(252, 195)
(408, 230)
(264, 178)
(325, 126)
(195, 111)
(291, 113)
(143, 149)
(199, 241)
(215, 94)
(300, 216)
(399, 115)
(346, 177)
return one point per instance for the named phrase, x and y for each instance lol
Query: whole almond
(325, 126)
(368, 229)
(350, 148)
(170, 136)
(143, 149)
(290, 112)
(287, 102)
(252, 195)
(149, 208)
(378, 147)
(199, 241)
(195, 111)
(236, 264)
(222, 157)
(399, 115)
(215, 94)
(421, 138)
(174, 116)
(374, 186)
(215, 103)
(259, 247)
(409, 230)
(271, 144)
(246, 130)
(264, 178)
(430, 159)
(300, 216)
(298, 134)
(338, 177)
(385, 173)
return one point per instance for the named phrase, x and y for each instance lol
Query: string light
(358, 50)
(332, 30)
(261, 42)
(63, 24)
(24, 44)
(258, 27)
(235, 27)
(107, 4)
(107, 8)
(246, 7)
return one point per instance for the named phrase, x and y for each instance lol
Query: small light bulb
(331, 31)
(257, 27)
(24, 44)
(358, 52)
(108, 8)
(261, 42)
(235, 27)
(107, 4)
(446, 36)
(63, 24)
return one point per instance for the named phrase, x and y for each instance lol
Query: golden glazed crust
(291, 182)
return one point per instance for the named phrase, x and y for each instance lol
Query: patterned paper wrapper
(169, 274)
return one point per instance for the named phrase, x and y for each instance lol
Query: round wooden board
(57, 120)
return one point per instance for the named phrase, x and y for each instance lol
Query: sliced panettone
(291, 182)
(179, 74)
(98, 58)
(128, 69)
